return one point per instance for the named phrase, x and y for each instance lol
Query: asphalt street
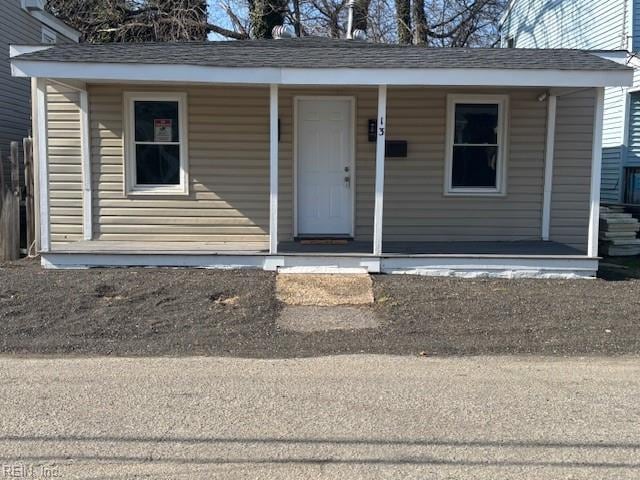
(352, 417)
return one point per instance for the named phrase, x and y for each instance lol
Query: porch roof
(309, 61)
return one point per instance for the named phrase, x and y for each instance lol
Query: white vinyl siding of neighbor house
(570, 197)
(17, 26)
(633, 152)
(65, 164)
(583, 24)
(635, 26)
(613, 126)
(228, 201)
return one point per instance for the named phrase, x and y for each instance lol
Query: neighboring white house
(23, 21)
(593, 25)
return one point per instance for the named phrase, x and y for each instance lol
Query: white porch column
(379, 189)
(548, 165)
(596, 170)
(40, 124)
(273, 169)
(85, 139)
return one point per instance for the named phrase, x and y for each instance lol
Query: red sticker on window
(162, 130)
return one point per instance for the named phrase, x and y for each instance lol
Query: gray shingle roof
(323, 53)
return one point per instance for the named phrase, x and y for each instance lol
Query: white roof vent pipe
(359, 35)
(282, 31)
(350, 6)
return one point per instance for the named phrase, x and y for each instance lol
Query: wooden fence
(13, 196)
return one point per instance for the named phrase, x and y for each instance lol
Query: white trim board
(453, 266)
(378, 207)
(85, 142)
(321, 76)
(41, 138)
(596, 173)
(274, 174)
(549, 153)
(17, 50)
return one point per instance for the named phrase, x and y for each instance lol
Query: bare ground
(233, 313)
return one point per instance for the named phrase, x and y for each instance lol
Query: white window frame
(501, 169)
(47, 32)
(131, 188)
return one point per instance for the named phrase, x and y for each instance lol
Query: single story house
(317, 154)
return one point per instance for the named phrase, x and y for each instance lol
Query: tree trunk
(361, 14)
(403, 19)
(266, 14)
(297, 24)
(419, 23)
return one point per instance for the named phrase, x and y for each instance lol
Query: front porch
(426, 171)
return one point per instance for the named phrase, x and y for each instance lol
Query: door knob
(347, 180)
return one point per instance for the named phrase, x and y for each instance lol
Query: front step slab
(308, 319)
(324, 290)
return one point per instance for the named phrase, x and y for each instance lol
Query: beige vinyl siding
(65, 164)
(228, 201)
(366, 102)
(572, 169)
(415, 208)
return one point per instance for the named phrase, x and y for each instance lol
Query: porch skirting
(452, 265)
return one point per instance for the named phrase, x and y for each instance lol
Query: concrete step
(306, 319)
(620, 251)
(606, 235)
(619, 227)
(623, 241)
(617, 220)
(324, 289)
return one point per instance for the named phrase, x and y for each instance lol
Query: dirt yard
(234, 313)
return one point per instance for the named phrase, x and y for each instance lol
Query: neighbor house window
(476, 137)
(155, 141)
(48, 35)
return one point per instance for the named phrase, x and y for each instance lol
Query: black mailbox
(395, 149)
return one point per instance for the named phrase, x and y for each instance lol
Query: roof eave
(485, 77)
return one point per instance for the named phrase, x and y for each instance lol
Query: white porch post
(43, 165)
(548, 165)
(273, 169)
(379, 188)
(85, 133)
(596, 170)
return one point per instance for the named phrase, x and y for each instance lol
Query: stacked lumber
(618, 232)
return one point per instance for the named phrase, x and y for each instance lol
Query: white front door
(325, 166)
